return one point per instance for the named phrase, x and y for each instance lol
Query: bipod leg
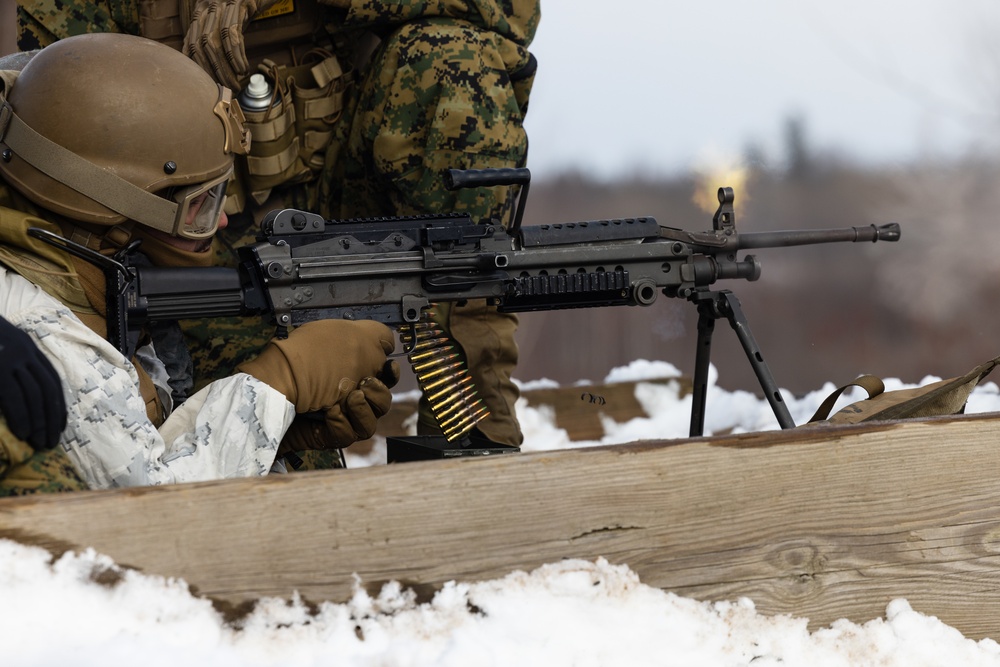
(730, 307)
(724, 304)
(707, 314)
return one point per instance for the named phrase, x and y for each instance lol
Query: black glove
(31, 393)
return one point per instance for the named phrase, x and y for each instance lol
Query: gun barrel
(873, 233)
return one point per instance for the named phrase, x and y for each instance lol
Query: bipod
(711, 307)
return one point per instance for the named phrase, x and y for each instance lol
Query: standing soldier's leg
(487, 341)
(438, 95)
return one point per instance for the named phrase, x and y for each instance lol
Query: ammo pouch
(285, 22)
(290, 136)
(165, 21)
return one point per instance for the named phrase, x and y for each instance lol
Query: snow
(83, 609)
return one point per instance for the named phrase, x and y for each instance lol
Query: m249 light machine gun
(393, 270)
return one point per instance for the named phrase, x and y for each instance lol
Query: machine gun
(392, 270)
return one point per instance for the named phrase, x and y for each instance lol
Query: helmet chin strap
(162, 253)
(101, 239)
(108, 241)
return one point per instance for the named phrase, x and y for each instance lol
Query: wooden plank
(824, 523)
(577, 410)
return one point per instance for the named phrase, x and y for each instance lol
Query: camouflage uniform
(121, 426)
(22, 469)
(39, 23)
(448, 87)
(125, 403)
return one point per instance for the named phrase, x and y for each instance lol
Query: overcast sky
(664, 85)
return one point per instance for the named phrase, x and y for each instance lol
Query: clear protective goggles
(199, 208)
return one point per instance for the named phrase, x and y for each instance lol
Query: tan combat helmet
(104, 128)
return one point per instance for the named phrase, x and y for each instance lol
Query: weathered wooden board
(577, 410)
(825, 523)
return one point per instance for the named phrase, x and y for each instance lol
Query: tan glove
(214, 38)
(320, 368)
(355, 418)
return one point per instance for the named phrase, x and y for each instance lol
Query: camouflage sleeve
(13, 450)
(230, 429)
(41, 22)
(516, 20)
(437, 96)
